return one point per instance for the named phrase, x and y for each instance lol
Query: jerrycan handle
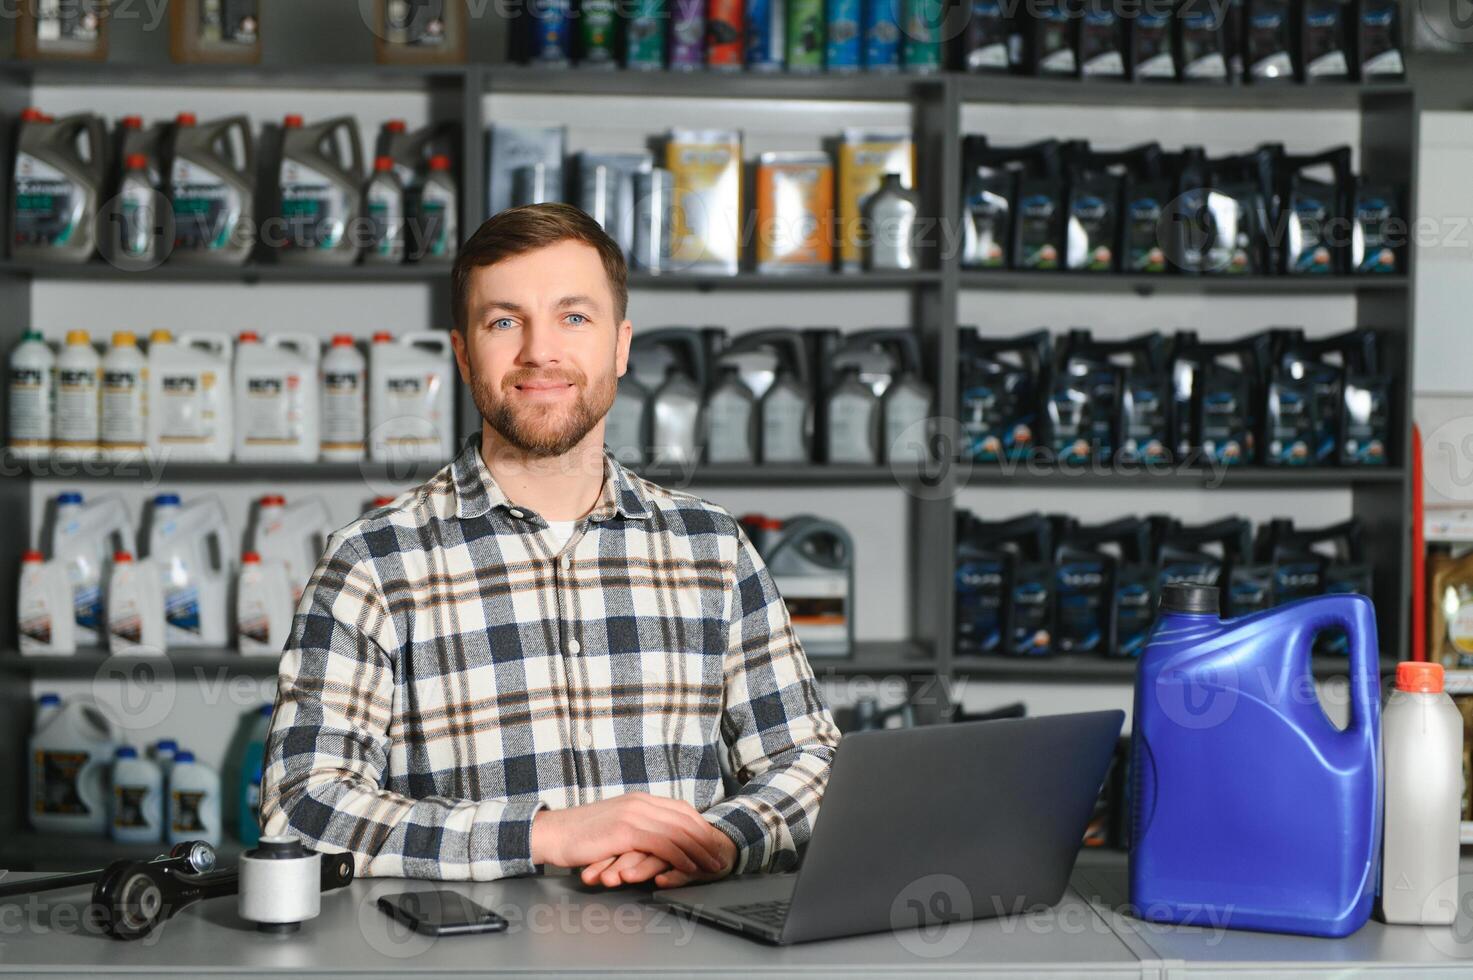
(1356, 615)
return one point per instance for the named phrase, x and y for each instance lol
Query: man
(538, 659)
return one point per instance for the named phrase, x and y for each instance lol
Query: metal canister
(844, 50)
(654, 201)
(725, 45)
(805, 35)
(598, 24)
(688, 35)
(881, 35)
(549, 32)
(921, 47)
(766, 31)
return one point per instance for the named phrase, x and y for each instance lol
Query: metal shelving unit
(925, 658)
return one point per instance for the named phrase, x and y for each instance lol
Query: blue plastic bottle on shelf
(1251, 809)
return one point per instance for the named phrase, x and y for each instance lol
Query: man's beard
(544, 430)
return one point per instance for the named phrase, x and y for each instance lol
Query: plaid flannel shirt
(448, 675)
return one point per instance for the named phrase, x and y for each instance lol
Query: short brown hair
(519, 230)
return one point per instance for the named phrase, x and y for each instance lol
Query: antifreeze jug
(212, 188)
(60, 172)
(1252, 810)
(187, 546)
(319, 179)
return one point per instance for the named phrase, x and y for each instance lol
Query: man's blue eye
(497, 324)
(579, 317)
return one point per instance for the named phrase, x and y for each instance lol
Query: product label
(437, 224)
(229, 21)
(411, 418)
(49, 205)
(1038, 245)
(979, 605)
(57, 778)
(138, 218)
(987, 229)
(1135, 612)
(122, 408)
(129, 806)
(645, 34)
(1367, 422)
(416, 23)
(1081, 606)
(1032, 598)
(186, 409)
(704, 233)
(34, 620)
(182, 611)
(29, 401)
(77, 408)
(385, 209)
(1143, 251)
(274, 410)
(881, 34)
(207, 210)
(342, 410)
(184, 814)
(314, 208)
(1143, 411)
(70, 21)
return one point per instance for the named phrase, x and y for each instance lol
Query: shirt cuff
(741, 822)
(501, 839)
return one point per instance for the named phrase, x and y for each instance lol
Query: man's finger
(591, 872)
(611, 876)
(672, 879)
(645, 869)
(655, 841)
(701, 848)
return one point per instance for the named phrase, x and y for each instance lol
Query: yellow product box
(705, 226)
(865, 157)
(795, 212)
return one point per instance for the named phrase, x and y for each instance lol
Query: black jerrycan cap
(1184, 597)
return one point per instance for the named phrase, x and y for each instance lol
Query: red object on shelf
(1419, 553)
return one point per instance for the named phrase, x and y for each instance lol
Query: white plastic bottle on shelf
(45, 617)
(71, 751)
(46, 706)
(187, 545)
(164, 751)
(76, 427)
(410, 383)
(344, 400)
(276, 402)
(84, 538)
(137, 798)
(194, 801)
(263, 606)
(135, 608)
(31, 395)
(124, 425)
(292, 534)
(1422, 744)
(190, 406)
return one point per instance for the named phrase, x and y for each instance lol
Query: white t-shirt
(561, 531)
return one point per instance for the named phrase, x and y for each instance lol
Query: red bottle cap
(122, 556)
(439, 162)
(292, 121)
(131, 122)
(273, 500)
(32, 115)
(32, 556)
(383, 337)
(762, 521)
(186, 119)
(1419, 677)
(249, 337)
(383, 164)
(137, 161)
(395, 126)
(250, 558)
(382, 501)
(342, 340)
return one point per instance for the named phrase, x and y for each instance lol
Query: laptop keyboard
(772, 913)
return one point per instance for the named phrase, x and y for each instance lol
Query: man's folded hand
(610, 831)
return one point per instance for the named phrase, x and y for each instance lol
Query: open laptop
(927, 825)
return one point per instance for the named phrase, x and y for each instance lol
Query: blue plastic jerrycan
(1251, 809)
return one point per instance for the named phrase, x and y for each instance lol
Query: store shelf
(204, 664)
(249, 274)
(869, 280)
(867, 86)
(775, 475)
(1095, 669)
(1021, 90)
(1178, 285)
(33, 851)
(1161, 476)
(874, 658)
(368, 77)
(155, 472)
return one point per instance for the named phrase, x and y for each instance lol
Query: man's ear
(621, 350)
(458, 344)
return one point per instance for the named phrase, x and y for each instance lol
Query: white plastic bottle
(194, 801)
(77, 423)
(163, 753)
(124, 425)
(263, 606)
(187, 545)
(137, 798)
(276, 402)
(190, 405)
(46, 706)
(1422, 745)
(31, 396)
(344, 400)
(84, 538)
(45, 618)
(410, 398)
(292, 534)
(135, 608)
(71, 751)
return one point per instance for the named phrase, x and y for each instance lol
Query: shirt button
(567, 561)
(574, 646)
(516, 513)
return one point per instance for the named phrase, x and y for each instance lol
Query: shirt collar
(477, 492)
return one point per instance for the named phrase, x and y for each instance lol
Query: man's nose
(539, 343)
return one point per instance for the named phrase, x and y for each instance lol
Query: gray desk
(560, 929)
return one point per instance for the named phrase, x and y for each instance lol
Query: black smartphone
(441, 913)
